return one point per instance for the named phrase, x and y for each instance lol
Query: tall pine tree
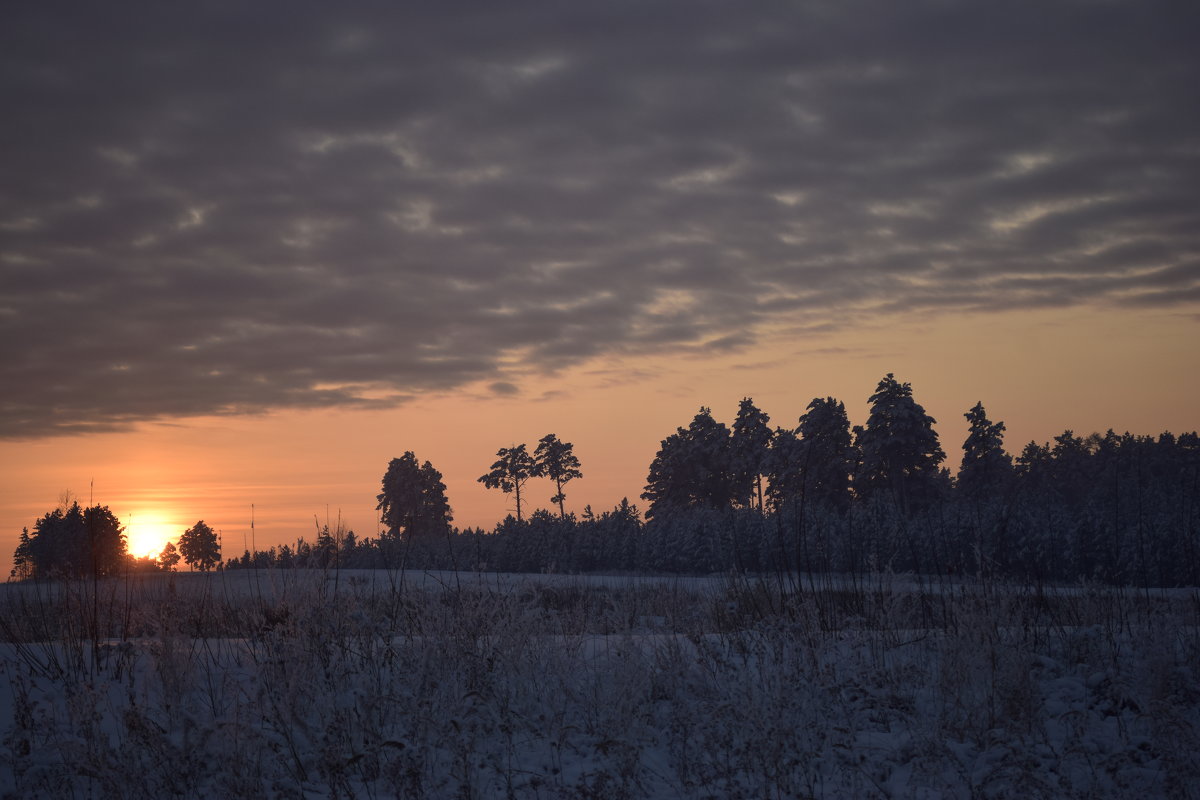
(828, 452)
(750, 453)
(986, 468)
(555, 459)
(693, 467)
(901, 455)
(510, 472)
(413, 500)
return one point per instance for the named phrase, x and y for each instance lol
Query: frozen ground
(365, 685)
(271, 584)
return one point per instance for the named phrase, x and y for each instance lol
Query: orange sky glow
(1040, 372)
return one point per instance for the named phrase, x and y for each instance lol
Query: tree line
(821, 496)
(76, 542)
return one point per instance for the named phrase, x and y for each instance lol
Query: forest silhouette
(823, 496)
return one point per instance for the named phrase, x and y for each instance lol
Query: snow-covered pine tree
(750, 451)
(693, 467)
(828, 453)
(984, 483)
(711, 473)
(785, 475)
(986, 468)
(901, 455)
(667, 483)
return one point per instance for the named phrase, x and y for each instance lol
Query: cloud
(504, 388)
(251, 206)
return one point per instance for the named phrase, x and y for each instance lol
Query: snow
(297, 685)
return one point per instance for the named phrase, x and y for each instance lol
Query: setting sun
(146, 535)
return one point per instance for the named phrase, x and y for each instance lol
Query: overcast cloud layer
(223, 209)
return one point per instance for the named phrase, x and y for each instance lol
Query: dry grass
(298, 684)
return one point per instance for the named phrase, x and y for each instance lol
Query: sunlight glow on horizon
(1038, 372)
(147, 534)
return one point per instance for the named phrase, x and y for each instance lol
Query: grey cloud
(504, 388)
(237, 207)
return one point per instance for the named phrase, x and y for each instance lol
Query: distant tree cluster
(71, 541)
(1117, 508)
(823, 496)
(822, 462)
(74, 542)
(334, 548)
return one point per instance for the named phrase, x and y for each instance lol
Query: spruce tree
(986, 468)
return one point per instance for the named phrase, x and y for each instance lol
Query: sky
(250, 252)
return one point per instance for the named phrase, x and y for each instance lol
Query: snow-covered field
(375, 684)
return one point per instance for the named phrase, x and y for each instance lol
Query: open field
(376, 684)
